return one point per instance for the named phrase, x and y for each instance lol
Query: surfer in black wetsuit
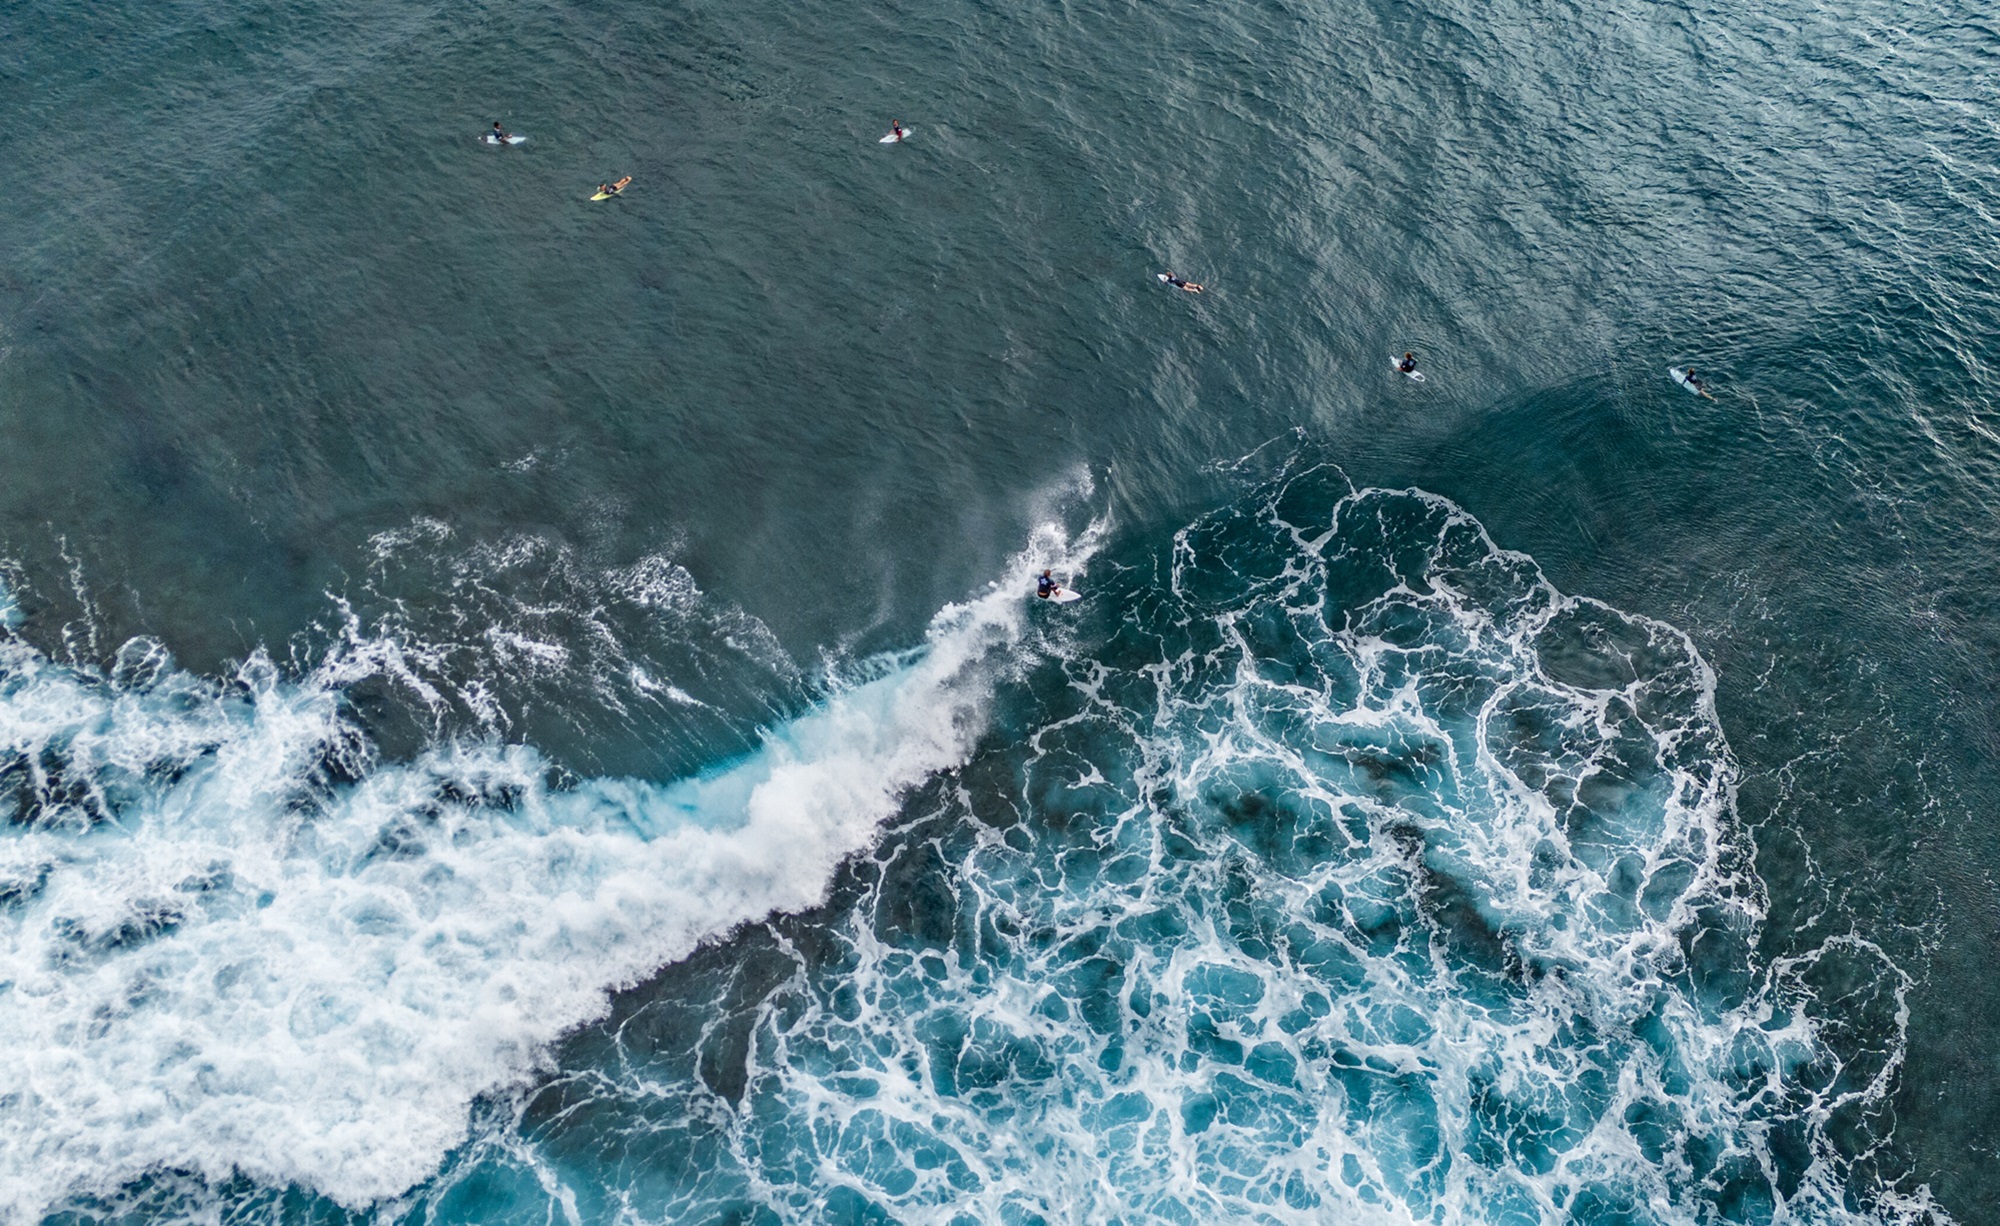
(1699, 387)
(500, 136)
(1182, 283)
(1408, 364)
(1046, 587)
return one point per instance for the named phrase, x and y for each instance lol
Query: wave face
(1328, 864)
(237, 946)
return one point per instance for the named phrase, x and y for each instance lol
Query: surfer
(1181, 283)
(897, 130)
(1695, 383)
(1046, 587)
(1408, 364)
(500, 135)
(610, 189)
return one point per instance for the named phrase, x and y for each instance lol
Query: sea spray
(235, 941)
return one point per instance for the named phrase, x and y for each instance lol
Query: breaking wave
(1326, 863)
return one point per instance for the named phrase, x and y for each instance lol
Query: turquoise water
(516, 709)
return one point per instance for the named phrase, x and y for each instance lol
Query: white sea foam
(233, 941)
(1365, 877)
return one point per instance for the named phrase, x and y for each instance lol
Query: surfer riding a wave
(1048, 589)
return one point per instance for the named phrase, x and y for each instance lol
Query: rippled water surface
(522, 709)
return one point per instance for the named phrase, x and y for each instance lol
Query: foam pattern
(239, 946)
(1327, 864)
(1341, 869)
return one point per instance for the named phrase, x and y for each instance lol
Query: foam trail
(231, 941)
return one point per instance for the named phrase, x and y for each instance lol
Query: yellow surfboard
(615, 189)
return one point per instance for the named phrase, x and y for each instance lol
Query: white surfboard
(1063, 595)
(893, 138)
(1687, 381)
(513, 138)
(1396, 360)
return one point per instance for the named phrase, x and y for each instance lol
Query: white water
(1365, 878)
(233, 941)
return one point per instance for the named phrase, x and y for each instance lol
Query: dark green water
(290, 363)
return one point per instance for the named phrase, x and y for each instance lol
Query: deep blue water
(516, 709)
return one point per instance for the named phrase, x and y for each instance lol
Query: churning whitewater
(1327, 863)
(237, 942)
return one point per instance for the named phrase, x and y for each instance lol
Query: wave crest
(238, 940)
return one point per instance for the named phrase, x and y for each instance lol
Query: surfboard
(1396, 360)
(1063, 595)
(1680, 376)
(513, 138)
(615, 189)
(893, 139)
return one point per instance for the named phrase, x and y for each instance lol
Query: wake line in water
(231, 942)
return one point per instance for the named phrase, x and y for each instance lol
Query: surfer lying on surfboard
(606, 191)
(1182, 283)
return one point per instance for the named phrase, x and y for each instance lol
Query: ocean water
(515, 709)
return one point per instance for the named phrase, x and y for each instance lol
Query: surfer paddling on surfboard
(1182, 283)
(606, 191)
(1686, 378)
